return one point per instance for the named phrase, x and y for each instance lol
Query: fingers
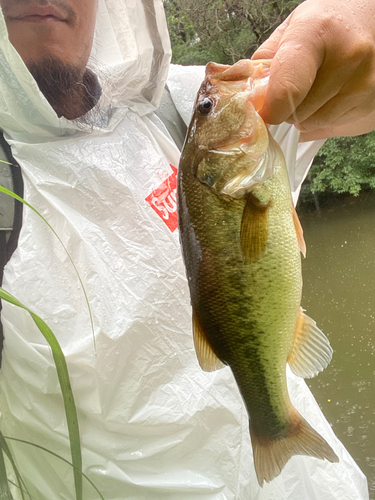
(338, 111)
(343, 89)
(355, 126)
(326, 119)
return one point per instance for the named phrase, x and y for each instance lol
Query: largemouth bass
(241, 241)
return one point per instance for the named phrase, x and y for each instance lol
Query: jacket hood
(130, 55)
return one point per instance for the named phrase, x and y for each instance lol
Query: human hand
(322, 75)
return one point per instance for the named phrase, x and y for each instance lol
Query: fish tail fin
(271, 455)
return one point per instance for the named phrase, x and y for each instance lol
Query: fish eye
(205, 106)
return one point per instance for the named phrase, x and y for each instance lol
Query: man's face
(60, 29)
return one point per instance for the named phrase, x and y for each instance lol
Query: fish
(241, 242)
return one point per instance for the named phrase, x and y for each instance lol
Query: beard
(70, 91)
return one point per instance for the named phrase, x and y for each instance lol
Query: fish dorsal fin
(311, 351)
(299, 232)
(207, 359)
(254, 228)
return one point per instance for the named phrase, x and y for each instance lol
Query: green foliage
(191, 55)
(223, 31)
(344, 165)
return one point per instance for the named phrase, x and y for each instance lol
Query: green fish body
(241, 242)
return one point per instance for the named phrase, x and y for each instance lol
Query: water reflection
(339, 293)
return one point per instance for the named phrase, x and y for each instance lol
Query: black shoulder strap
(18, 206)
(9, 239)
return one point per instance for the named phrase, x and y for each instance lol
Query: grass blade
(60, 458)
(66, 389)
(5, 493)
(20, 488)
(5, 448)
(16, 197)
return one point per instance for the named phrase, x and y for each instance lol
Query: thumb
(297, 54)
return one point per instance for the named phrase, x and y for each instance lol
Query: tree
(223, 31)
(343, 165)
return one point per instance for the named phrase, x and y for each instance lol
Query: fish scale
(227, 293)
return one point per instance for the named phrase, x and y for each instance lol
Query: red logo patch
(163, 200)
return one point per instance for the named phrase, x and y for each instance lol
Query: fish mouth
(242, 70)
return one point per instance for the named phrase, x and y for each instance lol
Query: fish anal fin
(254, 228)
(207, 359)
(311, 351)
(299, 232)
(271, 455)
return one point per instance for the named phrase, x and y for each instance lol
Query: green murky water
(339, 293)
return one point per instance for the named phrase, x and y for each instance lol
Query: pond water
(339, 294)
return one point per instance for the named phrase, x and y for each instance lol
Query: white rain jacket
(154, 426)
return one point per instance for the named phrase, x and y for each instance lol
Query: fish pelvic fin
(271, 455)
(299, 232)
(311, 351)
(254, 228)
(207, 359)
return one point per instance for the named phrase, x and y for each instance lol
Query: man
(153, 425)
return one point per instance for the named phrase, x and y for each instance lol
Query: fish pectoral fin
(311, 351)
(207, 359)
(254, 228)
(299, 232)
